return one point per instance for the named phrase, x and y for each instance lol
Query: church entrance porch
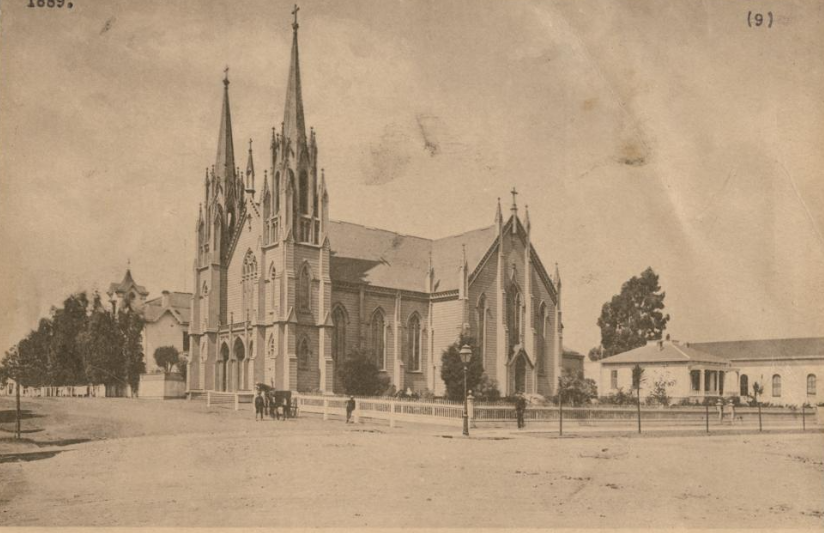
(521, 372)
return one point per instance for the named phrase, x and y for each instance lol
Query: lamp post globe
(466, 356)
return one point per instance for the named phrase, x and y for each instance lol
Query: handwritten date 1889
(50, 3)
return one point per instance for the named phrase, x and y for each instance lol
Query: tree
(131, 330)
(659, 393)
(67, 359)
(637, 380)
(100, 344)
(361, 377)
(632, 317)
(576, 390)
(452, 368)
(166, 357)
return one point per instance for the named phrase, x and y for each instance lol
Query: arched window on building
(339, 335)
(273, 288)
(514, 315)
(267, 213)
(276, 192)
(249, 278)
(776, 386)
(304, 354)
(379, 339)
(481, 318)
(414, 343)
(811, 384)
(303, 192)
(744, 385)
(543, 326)
(305, 289)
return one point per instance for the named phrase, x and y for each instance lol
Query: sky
(640, 133)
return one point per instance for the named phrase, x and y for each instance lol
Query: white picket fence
(441, 412)
(222, 399)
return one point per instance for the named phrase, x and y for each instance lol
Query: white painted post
(208, 398)
(325, 409)
(470, 400)
(356, 413)
(237, 401)
(391, 413)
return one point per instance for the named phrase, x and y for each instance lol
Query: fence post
(471, 409)
(707, 417)
(560, 415)
(325, 409)
(208, 398)
(391, 413)
(237, 401)
(356, 413)
(803, 418)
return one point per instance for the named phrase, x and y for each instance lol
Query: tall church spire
(293, 123)
(225, 162)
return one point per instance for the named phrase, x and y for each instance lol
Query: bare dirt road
(114, 462)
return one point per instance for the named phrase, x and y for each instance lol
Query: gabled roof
(766, 350)
(664, 352)
(387, 259)
(179, 306)
(125, 285)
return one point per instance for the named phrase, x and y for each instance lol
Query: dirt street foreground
(97, 462)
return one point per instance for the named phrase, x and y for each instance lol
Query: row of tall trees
(79, 344)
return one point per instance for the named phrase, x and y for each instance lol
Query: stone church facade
(283, 294)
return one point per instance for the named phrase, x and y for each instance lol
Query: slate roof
(668, 352)
(764, 350)
(387, 259)
(126, 284)
(179, 306)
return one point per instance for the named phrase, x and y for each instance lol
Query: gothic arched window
(482, 327)
(379, 339)
(304, 289)
(303, 193)
(414, 343)
(303, 354)
(514, 313)
(811, 384)
(276, 192)
(542, 331)
(270, 350)
(339, 334)
(249, 277)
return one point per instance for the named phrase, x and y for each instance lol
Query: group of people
(268, 404)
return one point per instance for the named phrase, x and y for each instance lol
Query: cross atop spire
(514, 193)
(226, 75)
(293, 122)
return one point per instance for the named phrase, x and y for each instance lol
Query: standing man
(350, 408)
(520, 407)
(259, 404)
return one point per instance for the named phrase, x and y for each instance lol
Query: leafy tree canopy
(633, 317)
(452, 367)
(361, 377)
(166, 357)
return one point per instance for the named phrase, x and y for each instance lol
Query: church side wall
(447, 317)
(415, 380)
(386, 303)
(486, 283)
(546, 377)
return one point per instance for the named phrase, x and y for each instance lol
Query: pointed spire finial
(295, 13)
(526, 217)
(498, 216)
(226, 76)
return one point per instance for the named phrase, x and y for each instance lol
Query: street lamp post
(466, 356)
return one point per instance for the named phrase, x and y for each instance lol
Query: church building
(283, 294)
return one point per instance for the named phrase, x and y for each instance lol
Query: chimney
(164, 301)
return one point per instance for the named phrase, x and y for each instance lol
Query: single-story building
(787, 369)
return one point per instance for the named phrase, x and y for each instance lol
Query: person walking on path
(350, 408)
(259, 404)
(280, 410)
(520, 407)
(719, 405)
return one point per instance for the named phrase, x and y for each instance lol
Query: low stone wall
(162, 386)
